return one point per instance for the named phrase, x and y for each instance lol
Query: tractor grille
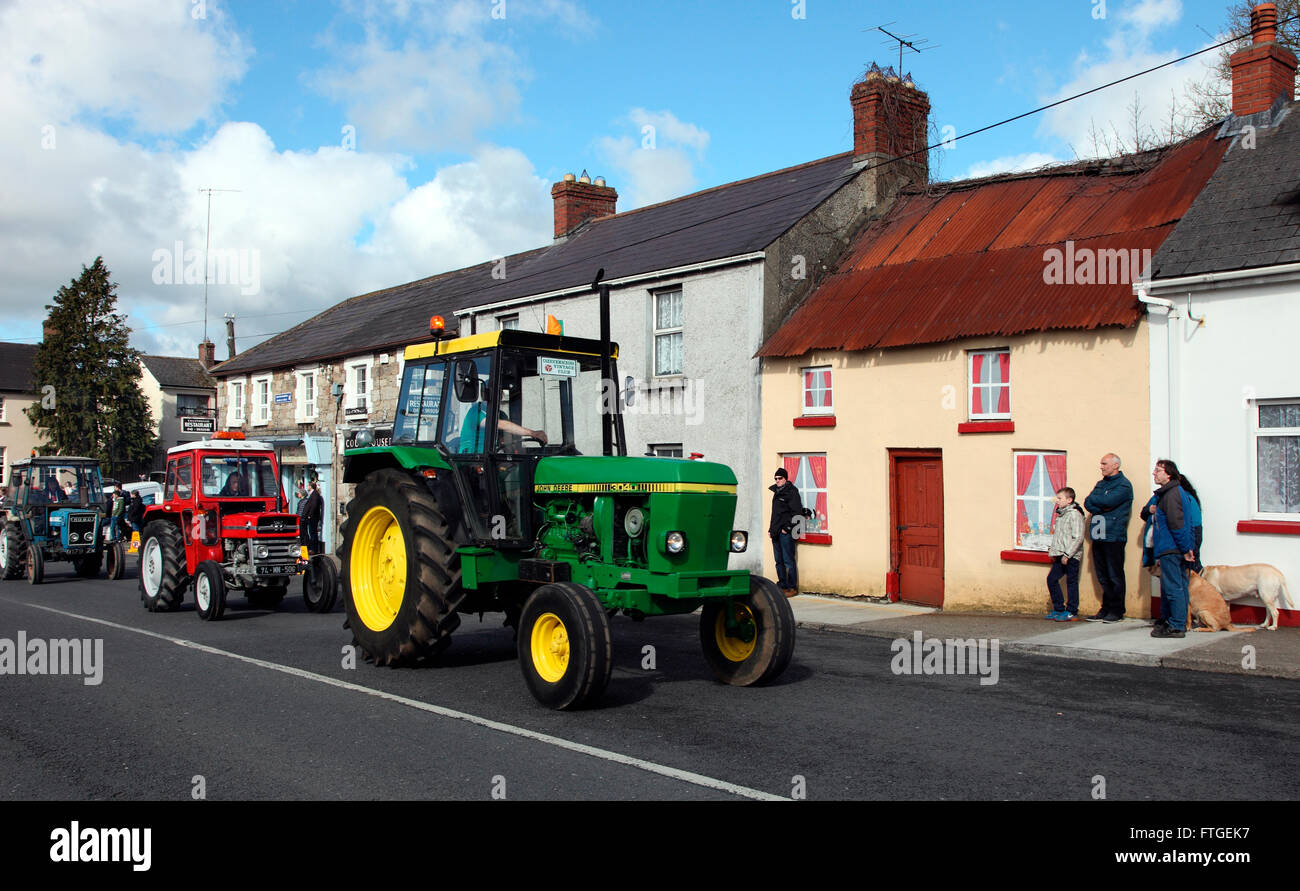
(273, 525)
(83, 527)
(282, 558)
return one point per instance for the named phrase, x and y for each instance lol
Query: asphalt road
(260, 706)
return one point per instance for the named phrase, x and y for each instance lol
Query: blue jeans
(787, 574)
(1070, 604)
(1173, 590)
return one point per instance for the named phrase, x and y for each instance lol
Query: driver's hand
(540, 435)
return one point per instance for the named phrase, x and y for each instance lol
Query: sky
(360, 144)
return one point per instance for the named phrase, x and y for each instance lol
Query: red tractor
(223, 523)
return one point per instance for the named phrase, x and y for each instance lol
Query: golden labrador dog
(1260, 579)
(1206, 605)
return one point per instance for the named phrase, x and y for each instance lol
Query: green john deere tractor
(506, 488)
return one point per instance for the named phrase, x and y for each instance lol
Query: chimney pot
(1263, 23)
(1264, 70)
(579, 200)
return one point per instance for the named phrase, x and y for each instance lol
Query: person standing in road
(313, 508)
(1174, 546)
(1111, 506)
(1066, 551)
(135, 512)
(786, 506)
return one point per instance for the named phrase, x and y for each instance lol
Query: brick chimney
(1264, 70)
(890, 119)
(578, 199)
(208, 353)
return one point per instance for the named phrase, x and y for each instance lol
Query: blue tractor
(56, 511)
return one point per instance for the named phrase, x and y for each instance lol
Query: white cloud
(658, 162)
(1011, 164)
(1140, 106)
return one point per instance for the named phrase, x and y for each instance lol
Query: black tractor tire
(565, 647)
(733, 660)
(115, 560)
(267, 597)
(425, 617)
(88, 567)
(13, 553)
(320, 584)
(209, 591)
(35, 565)
(169, 575)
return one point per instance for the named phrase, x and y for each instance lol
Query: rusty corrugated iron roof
(968, 259)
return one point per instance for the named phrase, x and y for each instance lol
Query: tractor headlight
(739, 541)
(365, 438)
(263, 552)
(634, 522)
(72, 536)
(675, 542)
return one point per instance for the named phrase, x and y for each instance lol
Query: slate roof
(176, 371)
(729, 220)
(968, 259)
(1248, 215)
(17, 361)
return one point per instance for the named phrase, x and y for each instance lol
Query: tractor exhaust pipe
(606, 418)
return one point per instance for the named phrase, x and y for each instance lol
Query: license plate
(275, 570)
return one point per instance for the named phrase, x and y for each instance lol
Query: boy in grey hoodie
(1066, 551)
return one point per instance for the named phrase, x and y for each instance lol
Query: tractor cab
(496, 404)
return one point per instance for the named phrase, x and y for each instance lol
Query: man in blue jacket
(1174, 547)
(1111, 505)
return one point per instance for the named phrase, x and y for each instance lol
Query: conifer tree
(88, 379)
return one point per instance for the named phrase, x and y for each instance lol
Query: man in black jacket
(311, 517)
(787, 511)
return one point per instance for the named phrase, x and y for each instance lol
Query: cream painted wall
(1085, 393)
(17, 434)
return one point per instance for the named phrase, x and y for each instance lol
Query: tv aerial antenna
(904, 41)
(207, 238)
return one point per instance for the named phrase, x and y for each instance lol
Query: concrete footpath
(1274, 654)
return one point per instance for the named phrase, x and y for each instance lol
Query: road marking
(685, 776)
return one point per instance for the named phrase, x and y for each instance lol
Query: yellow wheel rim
(733, 648)
(378, 568)
(550, 647)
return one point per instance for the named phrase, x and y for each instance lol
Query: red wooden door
(918, 526)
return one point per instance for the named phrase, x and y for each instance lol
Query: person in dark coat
(135, 512)
(1111, 506)
(1174, 546)
(311, 517)
(787, 512)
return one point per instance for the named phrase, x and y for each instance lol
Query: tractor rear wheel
(116, 560)
(765, 642)
(35, 565)
(88, 566)
(401, 572)
(320, 584)
(564, 645)
(162, 567)
(12, 550)
(209, 591)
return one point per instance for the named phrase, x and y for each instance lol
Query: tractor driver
(236, 485)
(473, 430)
(53, 494)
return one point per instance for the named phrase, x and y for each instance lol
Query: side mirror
(466, 380)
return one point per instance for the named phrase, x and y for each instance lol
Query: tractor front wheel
(759, 645)
(401, 572)
(35, 565)
(11, 552)
(564, 644)
(320, 583)
(116, 559)
(209, 591)
(162, 567)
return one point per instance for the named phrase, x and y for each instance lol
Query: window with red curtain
(990, 385)
(817, 391)
(808, 475)
(1038, 476)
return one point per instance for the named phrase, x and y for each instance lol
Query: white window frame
(306, 406)
(971, 384)
(3, 418)
(4, 465)
(663, 449)
(350, 394)
(235, 415)
(811, 489)
(258, 419)
(1049, 497)
(656, 332)
(503, 322)
(816, 370)
(1255, 433)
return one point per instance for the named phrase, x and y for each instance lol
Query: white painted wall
(1245, 350)
(719, 412)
